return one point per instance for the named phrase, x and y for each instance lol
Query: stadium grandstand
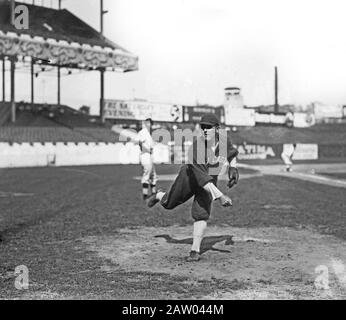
(49, 43)
(319, 133)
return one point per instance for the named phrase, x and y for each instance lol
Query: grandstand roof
(63, 39)
(64, 26)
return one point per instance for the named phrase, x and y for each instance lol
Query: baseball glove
(233, 176)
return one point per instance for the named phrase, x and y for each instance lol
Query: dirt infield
(266, 261)
(84, 233)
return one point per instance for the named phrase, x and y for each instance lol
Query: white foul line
(318, 177)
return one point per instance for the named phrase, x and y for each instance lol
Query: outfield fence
(17, 155)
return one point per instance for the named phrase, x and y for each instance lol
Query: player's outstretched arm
(218, 195)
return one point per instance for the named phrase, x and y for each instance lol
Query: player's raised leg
(180, 191)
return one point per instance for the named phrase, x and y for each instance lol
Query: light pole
(3, 79)
(12, 11)
(102, 71)
(102, 13)
(13, 83)
(276, 88)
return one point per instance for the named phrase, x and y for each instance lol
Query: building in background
(328, 113)
(235, 112)
(233, 98)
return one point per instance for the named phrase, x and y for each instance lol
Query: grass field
(84, 233)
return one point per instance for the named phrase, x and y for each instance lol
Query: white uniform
(287, 154)
(146, 158)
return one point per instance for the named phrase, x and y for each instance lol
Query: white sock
(198, 233)
(153, 188)
(160, 195)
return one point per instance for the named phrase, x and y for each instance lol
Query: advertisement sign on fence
(253, 151)
(305, 151)
(328, 111)
(303, 120)
(240, 117)
(270, 118)
(194, 114)
(138, 110)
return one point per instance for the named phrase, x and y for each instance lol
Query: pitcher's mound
(277, 259)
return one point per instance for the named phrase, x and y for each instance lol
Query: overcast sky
(192, 49)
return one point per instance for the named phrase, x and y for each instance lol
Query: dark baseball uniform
(204, 165)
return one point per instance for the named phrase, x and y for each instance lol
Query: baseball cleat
(152, 200)
(193, 257)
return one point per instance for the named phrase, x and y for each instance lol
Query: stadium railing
(5, 112)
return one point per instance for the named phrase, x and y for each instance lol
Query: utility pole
(13, 98)
(101, 18)
(32, 81)
(102, 71)
(59, 86)
(102, 13)
(12, 11)
(276, 106)
(3, 79)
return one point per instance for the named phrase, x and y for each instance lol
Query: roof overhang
(65, 54)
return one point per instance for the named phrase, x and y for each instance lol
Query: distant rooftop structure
(233, 98)
(232, 88)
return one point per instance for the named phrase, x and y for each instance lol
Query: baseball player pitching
(208, 155)
(146, 143)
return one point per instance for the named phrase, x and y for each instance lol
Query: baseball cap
(210, 119)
